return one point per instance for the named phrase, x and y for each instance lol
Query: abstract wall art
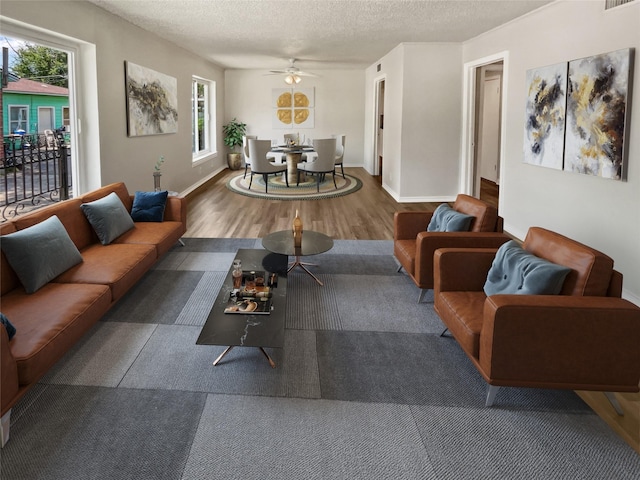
(545, 116)
(598, 114)
(293, 108)
(152, 101)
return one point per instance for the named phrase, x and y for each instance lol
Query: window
(18, 118)
(65, 117)
(202, 118)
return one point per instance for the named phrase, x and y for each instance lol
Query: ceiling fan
(292, 73)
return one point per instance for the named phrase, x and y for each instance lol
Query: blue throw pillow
(516, 271)
(149, 206)
(11, 330)
(446, 219)
(40, 253)
(108, 217)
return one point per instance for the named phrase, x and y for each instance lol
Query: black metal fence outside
(35, 170)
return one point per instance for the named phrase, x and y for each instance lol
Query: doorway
(483, 140)
(46, 119)
(487, 151)
(379, 127)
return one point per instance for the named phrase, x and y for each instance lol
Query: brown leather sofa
(414, 247)
(585, 338)
(54, 318)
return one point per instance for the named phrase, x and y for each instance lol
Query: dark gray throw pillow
(446, 219)
(516, 271)
(108, 217)
(40, 253)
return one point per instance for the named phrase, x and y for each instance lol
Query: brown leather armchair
(585, 338)
(414, 247)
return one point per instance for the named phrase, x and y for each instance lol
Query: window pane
(203, 139)
(202, 117)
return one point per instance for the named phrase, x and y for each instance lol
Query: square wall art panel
(545, 116)
(598, 114)
(293, 107)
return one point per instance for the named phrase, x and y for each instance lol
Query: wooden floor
(216, 212)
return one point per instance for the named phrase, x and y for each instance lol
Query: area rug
(307, 190)
(365, 387)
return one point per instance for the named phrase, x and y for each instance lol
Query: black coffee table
(313, 243)
(249, 330)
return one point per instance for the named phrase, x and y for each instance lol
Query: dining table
(293, 156)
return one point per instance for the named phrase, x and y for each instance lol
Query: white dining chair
(245, 150)
(324, 163)
(339, 151)
(260, 164)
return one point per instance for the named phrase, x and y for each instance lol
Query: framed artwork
(152, 101)
(293, 107)
(598, 114)
(545, 116)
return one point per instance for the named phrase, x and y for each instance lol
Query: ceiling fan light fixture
(292, 78)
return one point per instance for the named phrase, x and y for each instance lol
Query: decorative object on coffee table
(297, 231)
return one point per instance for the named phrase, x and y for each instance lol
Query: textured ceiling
(321, 34)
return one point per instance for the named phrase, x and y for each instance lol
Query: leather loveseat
(52, 319)
(414, 246)
(585, 338)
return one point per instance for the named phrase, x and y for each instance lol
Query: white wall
(339, 106)
(604, 214)
(120, 158)
(422, 120)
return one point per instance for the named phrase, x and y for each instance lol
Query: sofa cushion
(11, 330)
(108, 217)
(40, 253)
(162, 235)
(462, 313)
(516, 271)
(591, 270)
(485, 215)
(71, 216)
(149, 206)
(446, 219)
(116, 265)
(49, 322)
(119, 188)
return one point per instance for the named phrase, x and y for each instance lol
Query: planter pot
(156, 181)
(234, 160)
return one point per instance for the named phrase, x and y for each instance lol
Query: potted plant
(233, 133)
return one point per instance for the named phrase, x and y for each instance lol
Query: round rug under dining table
(307, 190)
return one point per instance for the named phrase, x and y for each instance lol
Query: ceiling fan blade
(306, 74)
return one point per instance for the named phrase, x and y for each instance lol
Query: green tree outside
(42, 64)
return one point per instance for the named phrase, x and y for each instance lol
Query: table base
(228, 349)
(302, 265)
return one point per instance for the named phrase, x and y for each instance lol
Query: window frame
(11, 108)
(202, 155)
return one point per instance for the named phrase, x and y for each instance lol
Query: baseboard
(202, 182)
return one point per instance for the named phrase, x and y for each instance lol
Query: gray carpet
(365, 388)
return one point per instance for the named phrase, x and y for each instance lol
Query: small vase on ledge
(156, 180)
